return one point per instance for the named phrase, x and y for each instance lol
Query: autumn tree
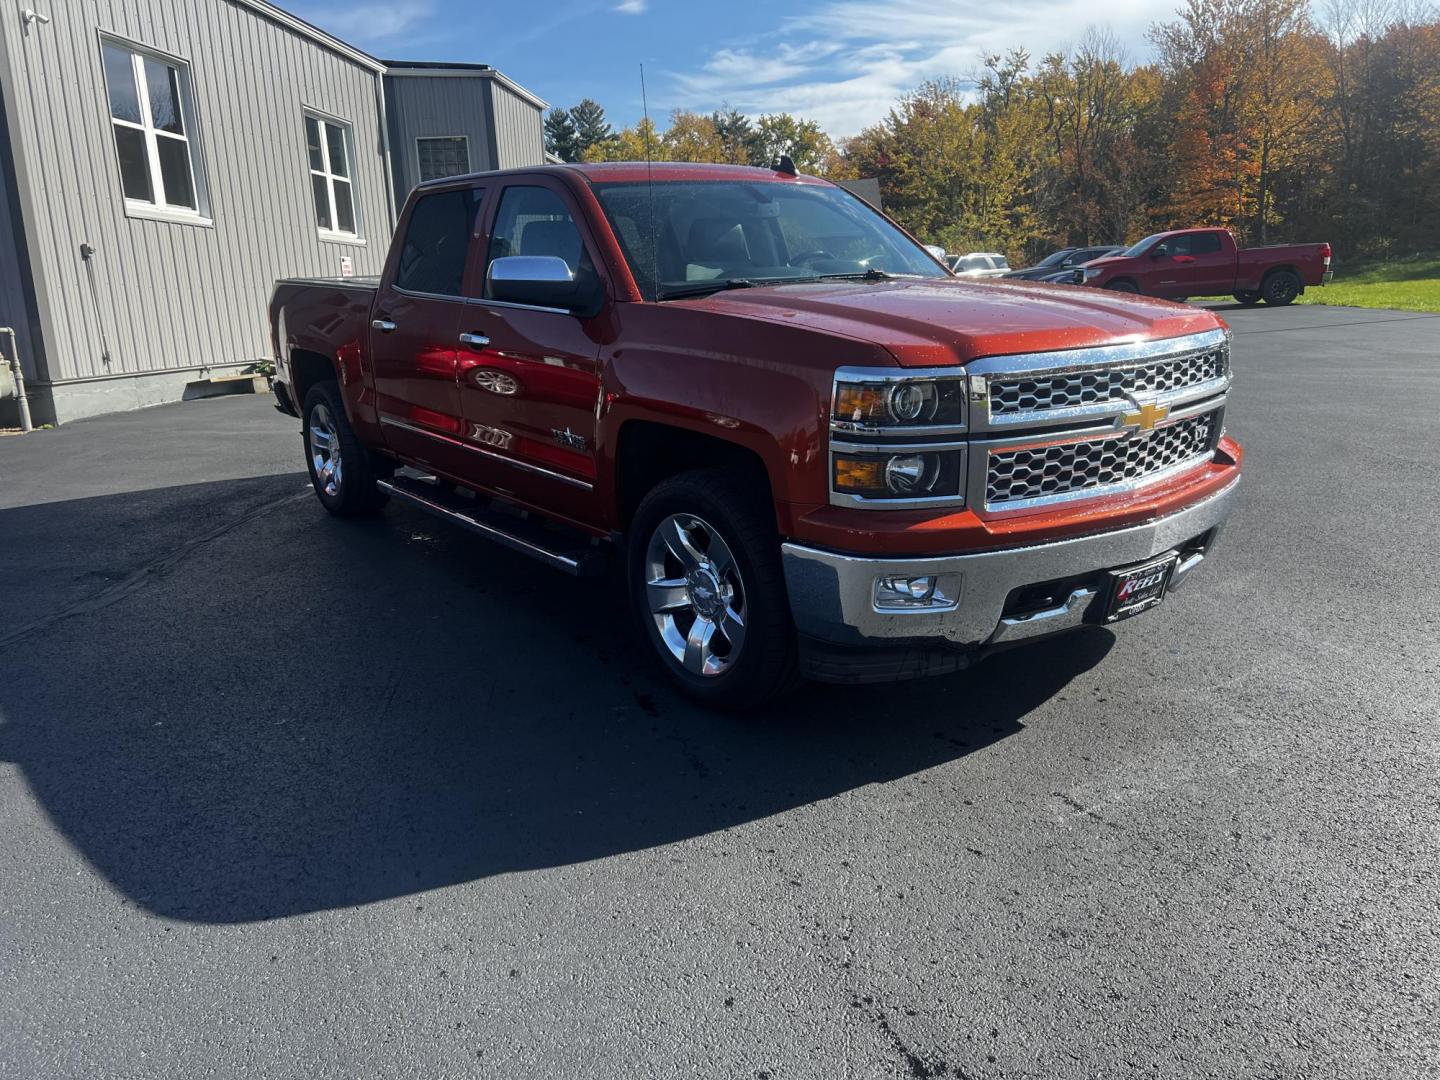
(740, 142)
(631, 144)
(692, 137)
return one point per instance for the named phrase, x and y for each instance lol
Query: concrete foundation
(59, 403)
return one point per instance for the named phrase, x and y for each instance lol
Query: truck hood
(933, 323)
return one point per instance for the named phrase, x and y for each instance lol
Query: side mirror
(936, 250)
(536, 280)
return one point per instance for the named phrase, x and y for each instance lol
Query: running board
(514, 528)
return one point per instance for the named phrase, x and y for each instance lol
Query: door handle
(385, 326)
(475, 341)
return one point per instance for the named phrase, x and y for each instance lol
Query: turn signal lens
(860, 475)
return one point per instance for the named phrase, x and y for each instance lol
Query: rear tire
(340, 466)
(1247, 298)
(1123, 286)
(1280, 288)
(708, 591)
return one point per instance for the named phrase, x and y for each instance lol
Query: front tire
(1123, 286)
(708, 591)
(1280, 288)
(340, 467)
(1247, 298)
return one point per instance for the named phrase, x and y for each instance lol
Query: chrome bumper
(832, 596)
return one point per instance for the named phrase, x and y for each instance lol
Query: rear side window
(437, 239)
(1204, 243)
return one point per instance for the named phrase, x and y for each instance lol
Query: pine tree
(590, 126)
(561, 138)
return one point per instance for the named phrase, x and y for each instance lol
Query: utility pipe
(25, 424)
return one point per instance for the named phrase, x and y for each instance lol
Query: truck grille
(1063, 390)
(1014, 477)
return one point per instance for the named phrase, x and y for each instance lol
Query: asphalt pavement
(287, 796)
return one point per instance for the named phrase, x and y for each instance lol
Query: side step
(511, 526)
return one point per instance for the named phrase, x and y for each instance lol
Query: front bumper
(832, 595)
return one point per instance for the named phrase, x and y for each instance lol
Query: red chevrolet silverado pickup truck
(1208, 262)
(819, 452)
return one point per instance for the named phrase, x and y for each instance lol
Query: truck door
(413, 331)
(529, 374)
(1191, 264)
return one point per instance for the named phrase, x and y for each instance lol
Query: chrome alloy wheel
(696, 594)
(325, 450)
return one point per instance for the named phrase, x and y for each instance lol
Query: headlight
(1092, 272)
(898, 438)
(931, 474)
(898, 403)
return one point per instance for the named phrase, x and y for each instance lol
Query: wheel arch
(648, 452)
(307, 368)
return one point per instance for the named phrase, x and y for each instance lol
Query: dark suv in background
(1059, 265)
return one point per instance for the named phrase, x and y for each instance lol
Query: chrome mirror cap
(548, 269)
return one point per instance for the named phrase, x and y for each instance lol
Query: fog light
(932, 591)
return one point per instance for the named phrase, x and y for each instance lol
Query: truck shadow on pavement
(303, 714)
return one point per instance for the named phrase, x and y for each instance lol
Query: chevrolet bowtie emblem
(1146, 417)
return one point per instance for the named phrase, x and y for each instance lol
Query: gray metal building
(448, 119)
(163, 161)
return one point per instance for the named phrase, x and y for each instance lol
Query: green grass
(1406, 284)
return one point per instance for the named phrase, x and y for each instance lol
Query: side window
(536, 221)
(1204, 243)
(437, 239)
(331, 149)
(152, 119)
(442, 156)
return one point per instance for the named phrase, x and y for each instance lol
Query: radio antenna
(650, 186)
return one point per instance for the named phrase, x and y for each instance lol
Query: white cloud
(847, 62)
(632, 7)
(372, 24)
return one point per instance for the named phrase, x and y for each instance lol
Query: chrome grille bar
(1056, 471)
(1041, 389)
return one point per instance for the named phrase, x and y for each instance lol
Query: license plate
(1138, 588)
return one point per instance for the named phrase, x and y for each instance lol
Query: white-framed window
(439, 156)
(330, 144)
(152, 116)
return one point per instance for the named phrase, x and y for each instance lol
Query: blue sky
(841, 62)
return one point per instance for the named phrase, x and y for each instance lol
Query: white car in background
(980, 264)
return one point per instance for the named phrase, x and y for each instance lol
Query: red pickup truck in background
(1208, 262)
(818, 452)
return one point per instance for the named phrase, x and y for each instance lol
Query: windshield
(1139, 248)
(694, 233)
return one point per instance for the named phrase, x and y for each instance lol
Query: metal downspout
(25, 424)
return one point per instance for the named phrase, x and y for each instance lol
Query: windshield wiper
(872, 274)
(700, 288)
